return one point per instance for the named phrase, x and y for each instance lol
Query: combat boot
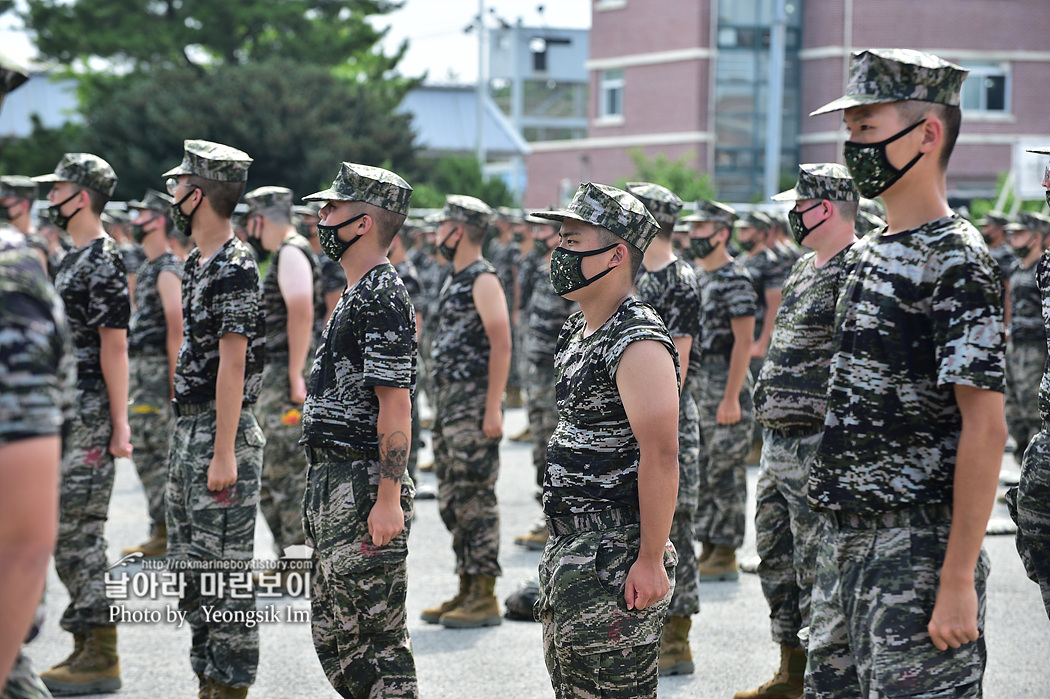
(78, 648)
(536, 539)
(96, 670)
(706, 549)
(221, 691)
(676, 658)
(480, 608)
(157, 545)
(787, 682)
(207, 687)
(524, 436)
(720, 565)
(433, 615)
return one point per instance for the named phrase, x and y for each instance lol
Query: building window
(611, 93)
(987, 88)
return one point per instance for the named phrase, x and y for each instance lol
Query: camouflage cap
(712, 211)
(662, 203)
(312, 208)
(1040, 151)
(372, 185)
(12, 74)
(470, 210)
(1031, 221)
(822, 181)
(212, 161)
(996, 218)
(264, 198)
(17, 186)
(113, 215)
(877, 76)
(506, 213)
(84, 169)
(614, 209)
(152, 201)
(753, 219)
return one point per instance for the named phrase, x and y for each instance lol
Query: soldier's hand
(492, 425)
(385, 522)
(120, 441)
(954, 620)
(297, 392)
(222, 472)
(728, 411)
(647, 584)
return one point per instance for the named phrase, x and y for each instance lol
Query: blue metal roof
(445, 118)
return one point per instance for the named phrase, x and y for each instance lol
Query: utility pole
(777, 46)
(482, 88)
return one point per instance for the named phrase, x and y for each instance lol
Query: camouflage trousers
(873, 594)
(786, 531)
(466, 464)
(593, 645)
(1025, 362)
(1029, 504)
(213, 528)
(23, 682)
(87, 483)
(543, 412)
(359, 590)
(721, 508)
(284, 462)
(686, 598)
(151, 420)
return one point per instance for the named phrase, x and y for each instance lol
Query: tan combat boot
(433, 615)
(706, 549)
(96, 670)
(156, 546)
(78, 648)
(480, 608)
(206, 687)
(676, 658)
(787, 682)
(720, 565)
(221, 691)
(536, 539)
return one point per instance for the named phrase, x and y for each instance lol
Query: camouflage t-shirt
(369, 341)
(791, 390)
(274, 308)
(1007, 259)
(506, 259)
(37, 363)
(674, 293)
(1044, 292)
(768, 272)
(94, 287)
(592, 457)
(148, 330)
(410, 278)
(919, 312)
(546, 316)
(1026, 319)
(219, 297)
(133, 256)
(460, 348)
(726, 293)
(531, 271)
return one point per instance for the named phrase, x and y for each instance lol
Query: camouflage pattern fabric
(768, 273)
(332, 278)
(148, 330)
(221, 296)
(23, 682)
(1029, 505)
(460, 348)
(284, 461)
(274, 308)
(891, 393)
(132, 255)
(466, 463)
(791, 390)
(406, 270)
(370, 341)
(206, 526)
(830, 181)
(469, 210)
(546, 314)
(726, 293)
(372, 185)
(1026, 320)
(358, 592)
(87, 482)
(593, 645)
(1007, 259)
(661, 202)
(610, 208)
(151, 421)
(84, 169)
(721, 508)
(506, 259)
(18, 186)
(871, 639)
(786, 532)
(265, 198)
(152, 200)
(212, 161)
(893, 75)
(1025, 363)
(675, 294)
(711, 211)
(542, 411)
(94, 288)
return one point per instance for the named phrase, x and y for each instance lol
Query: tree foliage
(452, 174)
(677, 175)
(39, 152)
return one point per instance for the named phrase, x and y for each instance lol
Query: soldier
(1029, 501)
(217, 445)
(908, 464)
(993, 230)
(768, 272)
(154, 338)
(93, 286)
(505, 255)
(117, 224)
(398, 257)
(669, 286)
(607, 573)
(291, 291)
(356, 426)
(790, 402)
(17, 194)
(728, 305)
(471, 356)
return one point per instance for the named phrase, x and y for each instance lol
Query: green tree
(678, 175)
(453, 174)
(39, 152)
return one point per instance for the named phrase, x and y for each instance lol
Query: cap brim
(850, 101)
(789, 195)
(1040, 151)
(326, 195)
(559, 216)
(49, 178)
(177, 170)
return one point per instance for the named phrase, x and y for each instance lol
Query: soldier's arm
(978, 459)
(393, 428)
(773, 298)
(492, 307)
(169, 287)
(295, 279)
(683, 344)
(114, 359)
(229, 395)
(648, 387)
(743, 328)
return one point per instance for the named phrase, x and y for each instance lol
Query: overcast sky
(434, 28)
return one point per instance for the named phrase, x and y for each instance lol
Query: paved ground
(730, 637)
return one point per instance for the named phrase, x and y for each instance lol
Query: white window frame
(607, 87)
(978, 72)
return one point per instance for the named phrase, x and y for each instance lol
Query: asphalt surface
(730, 637)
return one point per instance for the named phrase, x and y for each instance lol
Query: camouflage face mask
(799, 231)
(567, 269)
(445, 251)
(870, 168)
(138, 230)
(699, 248)
(328, 236)
(182, 220)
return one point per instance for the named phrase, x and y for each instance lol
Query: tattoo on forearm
(393, 455)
